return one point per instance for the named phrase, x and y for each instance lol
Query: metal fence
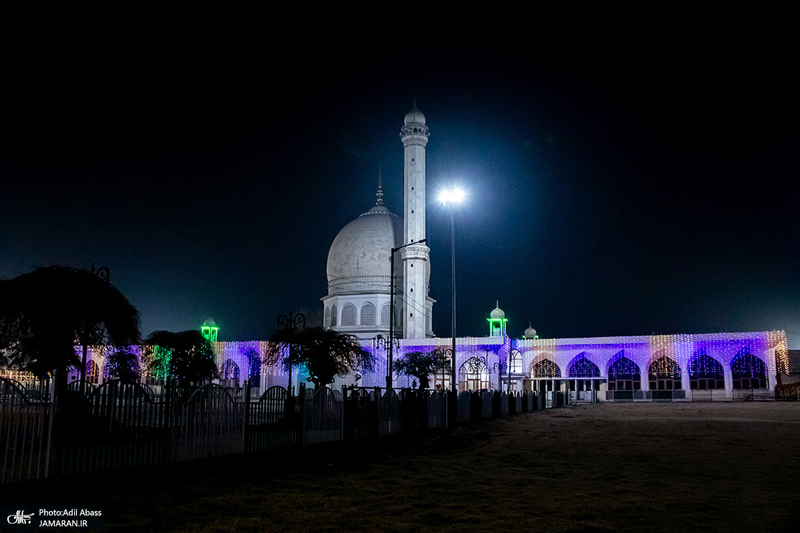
(121, 425)
(25, 433)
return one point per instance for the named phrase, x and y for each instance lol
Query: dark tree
(253, 367)
(422, 365)
(124, 366)
(324, 353)
(185, 355)
(44, 314)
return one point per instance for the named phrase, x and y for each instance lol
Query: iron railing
(125, 425)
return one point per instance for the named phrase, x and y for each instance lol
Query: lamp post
(388, 345)
(391, 312)
(451, 197)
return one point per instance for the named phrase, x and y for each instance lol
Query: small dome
(414, 116)
(210, 322)
(497, 312)
(360, 255)
(530, 333)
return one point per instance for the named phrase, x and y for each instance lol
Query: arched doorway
(583, 369)
(664, 374)
(544, 373)
(705, 373)
(749, 372)
(230, 374)
(624, 378)
(473, 375)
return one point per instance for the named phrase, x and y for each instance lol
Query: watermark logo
(19, 518)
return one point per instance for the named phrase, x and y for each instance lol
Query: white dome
(414, 116)
(497, 312)
(359, 258)
(529, 333)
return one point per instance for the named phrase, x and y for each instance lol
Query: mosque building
(359, 302)
(379, 251)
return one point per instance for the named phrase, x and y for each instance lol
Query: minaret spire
(379, 194)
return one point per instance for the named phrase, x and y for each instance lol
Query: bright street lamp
(451, 197)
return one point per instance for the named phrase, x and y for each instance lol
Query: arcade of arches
(715, 363)
(664, 374)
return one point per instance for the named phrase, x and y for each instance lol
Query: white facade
(747, 364)
(561, 364)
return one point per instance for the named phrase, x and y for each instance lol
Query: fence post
(344, 410)
(52, 393)
(301, 412)
(170, 406)
(423, 407)
(245, 415)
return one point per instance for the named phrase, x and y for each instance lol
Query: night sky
(619, 182)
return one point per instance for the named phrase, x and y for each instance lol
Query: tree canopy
(324, 353)
(422, 365)
(185, 355)
(124, 366)
(45, 313)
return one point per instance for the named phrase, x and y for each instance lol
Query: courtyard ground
(591, 468)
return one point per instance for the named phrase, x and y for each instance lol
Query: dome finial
(379, 194)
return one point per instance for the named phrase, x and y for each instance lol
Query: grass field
(623, 467)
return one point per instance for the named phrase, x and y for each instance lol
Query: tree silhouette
(124, 366)
(422, 365)
(46, 312)
(185, 355)
(324, 353)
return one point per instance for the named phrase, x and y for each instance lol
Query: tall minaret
(417, 305)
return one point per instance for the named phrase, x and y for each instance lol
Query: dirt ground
(606, 467)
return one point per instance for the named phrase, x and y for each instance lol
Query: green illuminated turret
(497, 322)
(209, 330)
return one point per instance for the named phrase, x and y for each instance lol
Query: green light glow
(162, 362)
(209, 332)
(498, 325)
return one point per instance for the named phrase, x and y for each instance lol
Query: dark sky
(619, 181)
